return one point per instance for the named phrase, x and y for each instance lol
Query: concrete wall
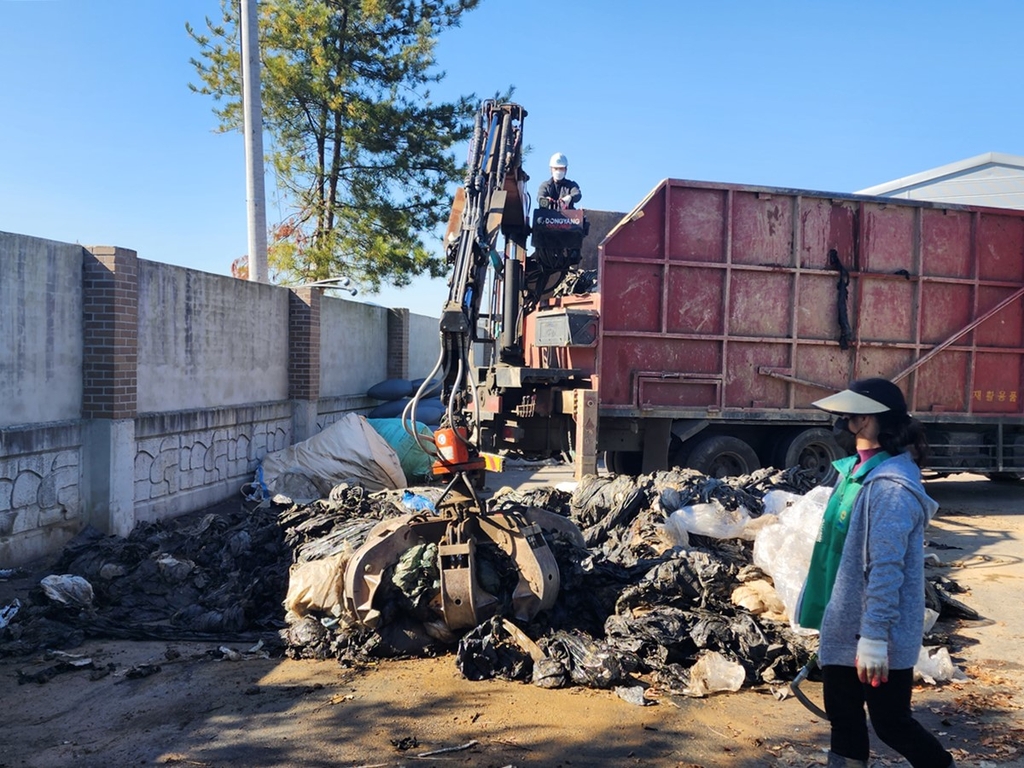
(41, 318)
(224, 346)
(139, 391)
(40, 490)
(352, 358)
(41, 384)
(424, 345)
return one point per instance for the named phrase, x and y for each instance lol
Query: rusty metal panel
(997, 385)
(696, 223)
(762, 229)
(696, 300)
(887, 246)
(816, 306)
(632, 296)
(695, 392)
(1005, 328)
(745, 385)
(623, 356)
(885, 361)
(886, 310)
(1001, 247)
(945, 309)
(943, 383)
(826, 225)
(825, 364)
(946, 243)
(760, 304)
(641, 234)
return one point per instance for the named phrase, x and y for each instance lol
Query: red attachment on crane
(454, 452)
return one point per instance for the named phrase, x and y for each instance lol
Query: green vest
(828, 549)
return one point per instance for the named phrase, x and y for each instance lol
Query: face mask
(845, 439)
(557, 174)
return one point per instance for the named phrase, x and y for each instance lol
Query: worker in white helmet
(559, 192)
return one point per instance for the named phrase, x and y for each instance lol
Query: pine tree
(360, 150)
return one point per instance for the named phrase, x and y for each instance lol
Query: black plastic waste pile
(633, 604)
(631, 607)
(222, 576)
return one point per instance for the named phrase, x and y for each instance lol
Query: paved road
(985, 520)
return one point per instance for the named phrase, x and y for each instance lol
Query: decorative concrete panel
(210, 452)
(40, 490)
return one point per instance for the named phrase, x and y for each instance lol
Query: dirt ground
(198, 710)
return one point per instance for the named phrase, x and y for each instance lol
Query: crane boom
(491, 203)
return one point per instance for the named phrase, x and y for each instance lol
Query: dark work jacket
(557, 189)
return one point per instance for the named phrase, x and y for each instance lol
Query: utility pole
(252, 107)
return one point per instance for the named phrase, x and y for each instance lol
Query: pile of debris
(666, 595)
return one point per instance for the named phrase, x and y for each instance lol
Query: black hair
(898, 432)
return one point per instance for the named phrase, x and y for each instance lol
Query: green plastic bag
(415, 461)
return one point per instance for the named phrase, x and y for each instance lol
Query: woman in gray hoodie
(865, 586)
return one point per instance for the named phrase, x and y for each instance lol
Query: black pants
(889, 707)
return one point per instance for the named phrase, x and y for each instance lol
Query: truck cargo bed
(727, 300)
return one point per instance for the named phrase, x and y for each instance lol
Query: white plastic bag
(775, 502)
(935, 666)
(713, 673)
(68, 590)
(783, 550)
(8, 612)
(707, 520)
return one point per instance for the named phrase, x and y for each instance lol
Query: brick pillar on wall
(110, 327)
(304, 360)
(398, 343)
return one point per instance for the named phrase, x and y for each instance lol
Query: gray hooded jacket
(879, 588)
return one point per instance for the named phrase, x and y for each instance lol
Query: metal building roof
(993, 179)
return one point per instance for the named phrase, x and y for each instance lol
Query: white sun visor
(849, 401)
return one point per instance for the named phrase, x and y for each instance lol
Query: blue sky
(101, 141)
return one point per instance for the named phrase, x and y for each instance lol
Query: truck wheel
(812, 450)
(624, 462)
(723, 456)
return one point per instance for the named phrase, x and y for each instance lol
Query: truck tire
(723, 456)
(812, 450)
(624, 462)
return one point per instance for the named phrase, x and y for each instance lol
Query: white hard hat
(559, 160)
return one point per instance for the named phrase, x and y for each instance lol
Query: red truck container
(725, 310)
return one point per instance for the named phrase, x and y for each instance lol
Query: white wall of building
(993, 180)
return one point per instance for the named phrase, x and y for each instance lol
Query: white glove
(872, 661)
(566, 199)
